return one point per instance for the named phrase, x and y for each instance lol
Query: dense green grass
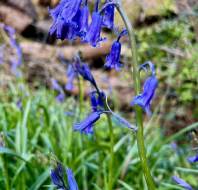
(42, 130)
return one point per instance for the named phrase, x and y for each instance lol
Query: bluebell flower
(67, 9)
(57, 177)
(61, 96)
(62, 30)
(113, 59)
(108, 16)
(93, 34)
(193, 159)
(84, 71)
(83, 21)
(66, 18)
(86, 126)
(144, 99)
(182, 183)
(71, 75)
(71, 180)
(97, 100)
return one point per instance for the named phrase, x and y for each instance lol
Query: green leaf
(40, 180)
(11, 153)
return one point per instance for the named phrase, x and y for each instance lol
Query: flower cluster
(57, 177)
(98, 101)
(71, 21)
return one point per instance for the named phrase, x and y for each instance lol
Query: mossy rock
(138, 10)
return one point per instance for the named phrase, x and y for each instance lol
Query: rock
(140, 10)
(17, 13)
(25, 6)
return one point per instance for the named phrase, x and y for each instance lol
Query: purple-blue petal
(83, 22)
(93, 35)
(57, 177)
(144, 99)
(97, 100)
(84, 71)
(108, 17)
(193, 159)
(113, 59)
(71, 180)
(182, 183)
(86, 125)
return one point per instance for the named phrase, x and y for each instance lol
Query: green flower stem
(81, 98)
(110, 182)
(81, 94)
(136, 78)
(109, 121)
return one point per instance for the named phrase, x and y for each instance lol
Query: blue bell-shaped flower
(86, 126)
(66, 17)
(144, 99)
(108, 16)
(113, 59)
(93, 35)
(83, 22)
(84, 71)
(57, 177)
(70, 10)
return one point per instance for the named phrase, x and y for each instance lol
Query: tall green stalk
(136, 78)
(110, 182)
(109, 121)
(81, 97)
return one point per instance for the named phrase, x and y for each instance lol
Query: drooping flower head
(93, 34)
(66, 16)
(193, 159)
(108, 16)
(144, 99)
(84, 71)
(57, 177)
(97, 100)
(84, 20)
(182, 183)
(113, 59)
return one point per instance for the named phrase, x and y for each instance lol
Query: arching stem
(136, 78)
